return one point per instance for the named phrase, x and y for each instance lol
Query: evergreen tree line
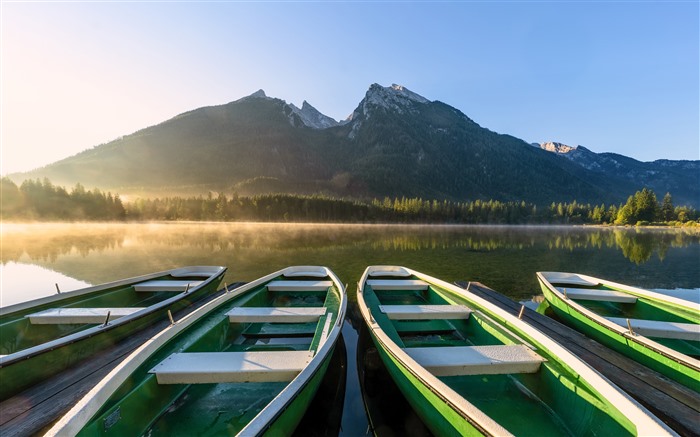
(42, 200)
(295, 208)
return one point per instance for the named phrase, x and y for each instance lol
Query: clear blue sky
(613, 76)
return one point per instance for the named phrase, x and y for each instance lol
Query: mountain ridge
(395, 143)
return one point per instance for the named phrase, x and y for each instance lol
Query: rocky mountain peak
(312, 117)
(556, 147)
(395, 98)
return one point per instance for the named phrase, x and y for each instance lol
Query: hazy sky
(613, 76)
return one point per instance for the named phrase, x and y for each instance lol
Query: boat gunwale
(85, 409)
(637, 414)
(93, 331)
(643, 340)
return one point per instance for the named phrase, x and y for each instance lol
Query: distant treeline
(641, 208)
(42, 200)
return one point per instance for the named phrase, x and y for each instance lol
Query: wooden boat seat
(476, 360)
(425, 312)
(569, 279)
(223, 367)
(660, 329)
(299, 285)
(61, 316)
(191, 273)
(275, 314)
(164, 285)
(320, 273)
(398, 272)
(397, 284)
(599, 295)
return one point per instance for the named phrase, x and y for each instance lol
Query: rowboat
(662, 332)
(468, 367)
(42, 337)
(247, 363)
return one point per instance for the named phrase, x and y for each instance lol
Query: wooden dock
(34, 409)
(678, 406)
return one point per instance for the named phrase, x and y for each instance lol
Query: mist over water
(504, 258)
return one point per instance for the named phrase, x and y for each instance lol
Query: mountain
(681, 178)
(395, 143)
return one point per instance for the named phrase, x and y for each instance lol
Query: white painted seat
(568, 279)
(299, 285)
(425, 312)
(164, 285)
(660, 329)
(397, 284)
(476, 360)
(275, 314)
(58, 316)
(390, 271)
(313, 272)
(222, 367)
(191, 273)
(599, 295)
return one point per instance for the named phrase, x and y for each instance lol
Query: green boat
(42, 337)
(662, 332)
(246, 363)
(468, 367)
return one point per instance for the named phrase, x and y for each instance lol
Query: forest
(42, 200)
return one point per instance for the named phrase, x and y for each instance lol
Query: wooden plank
(675, 404)
(299, 285)
(425, 312)
(476, 360)
(155, 285)
(599, 295)
(275, 314)
(397, 284)
(397, 272)
(56, 316)
(660, 329)
(567, 279)
(230, 367)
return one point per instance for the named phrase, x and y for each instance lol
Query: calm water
(37, 256)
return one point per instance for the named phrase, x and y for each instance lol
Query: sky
(620, 77)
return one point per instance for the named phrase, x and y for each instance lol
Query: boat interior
(22, 329)
(673, 326)
(483, 362)
(236, 360)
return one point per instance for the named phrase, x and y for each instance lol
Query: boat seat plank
(397, 284)
(599, 295)
(299, 285)
(157, 285)
(476, 360)
(661, 329)
(59, 316)
(398, 272)
(425, 312)
(275, 314)
(307, 273)
(229, 367)
(562, 278)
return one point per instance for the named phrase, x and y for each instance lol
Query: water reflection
(505, 258)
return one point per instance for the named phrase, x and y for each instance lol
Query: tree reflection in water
(503, 257)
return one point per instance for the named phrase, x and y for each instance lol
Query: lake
(38, 257)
